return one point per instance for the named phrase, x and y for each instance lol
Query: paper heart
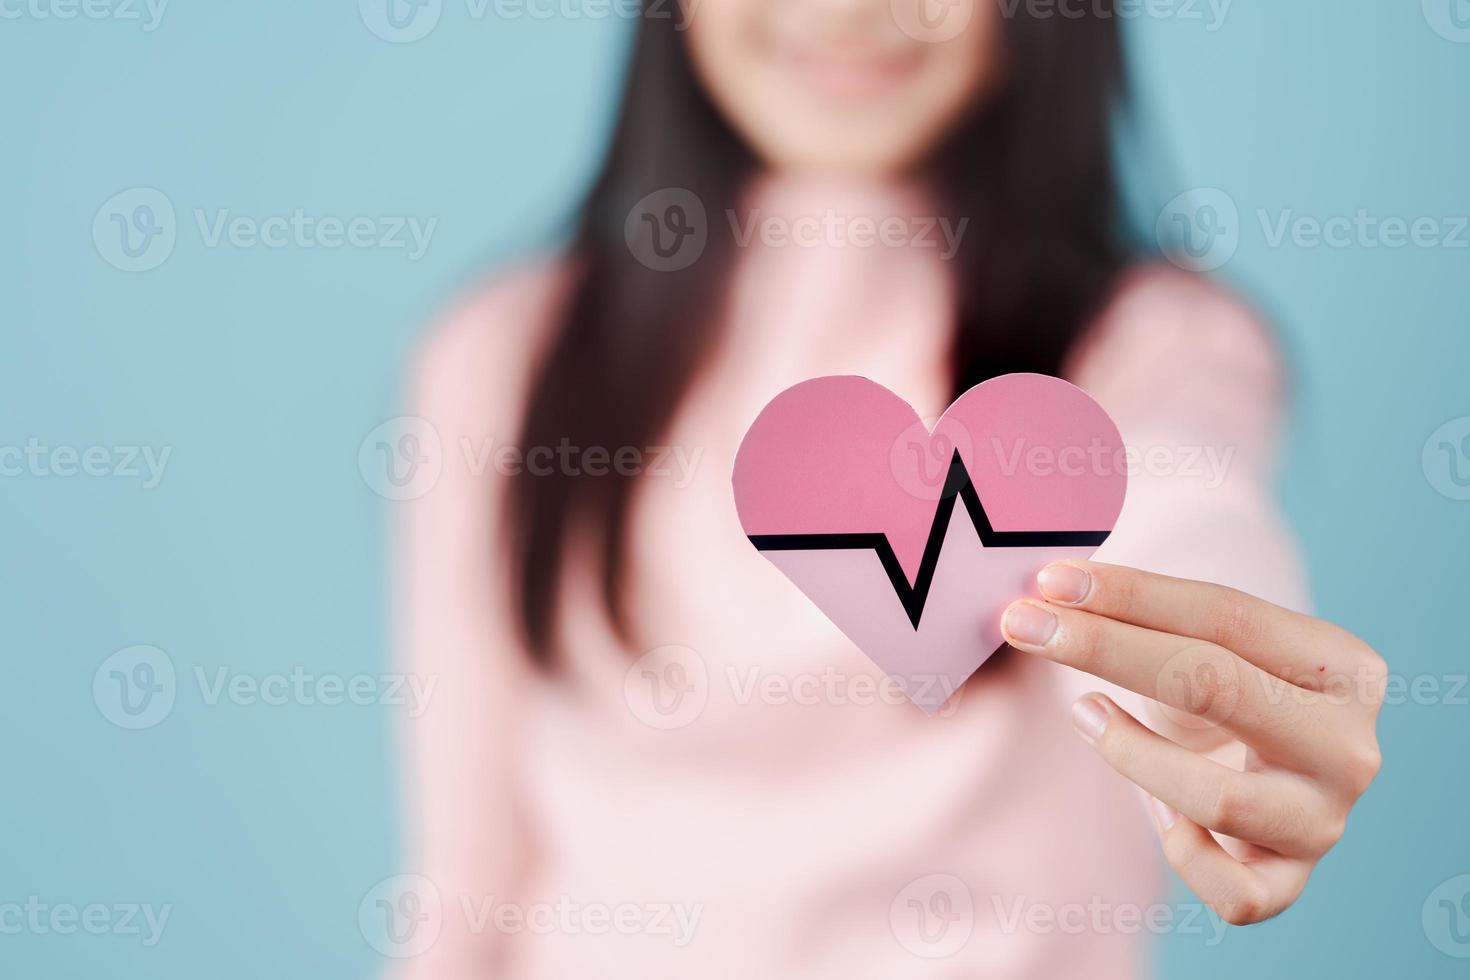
(914, 539)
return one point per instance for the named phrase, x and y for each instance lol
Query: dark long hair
(1032, 169)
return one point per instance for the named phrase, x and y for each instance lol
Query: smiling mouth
(850, 77)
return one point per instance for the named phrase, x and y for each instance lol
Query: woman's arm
(465, 831)
(1296, 696)
(1197, 388)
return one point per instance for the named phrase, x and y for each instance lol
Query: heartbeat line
(957, 485)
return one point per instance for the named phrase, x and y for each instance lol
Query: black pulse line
(957, 484)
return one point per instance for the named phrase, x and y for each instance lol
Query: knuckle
(1373, 663)
(1330, 832)
(1234, 619)
(1181, 852)
(1374, 671)
(1235, 803)
(1363, 671)
(1361, 767)
(1222, 680)
(1308, 827)
(1374, 685)
(1246, 902)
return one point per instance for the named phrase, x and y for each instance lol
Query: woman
(649, 755)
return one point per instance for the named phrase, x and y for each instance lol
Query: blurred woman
(649, 755)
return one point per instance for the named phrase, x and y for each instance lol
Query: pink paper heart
(913, 540)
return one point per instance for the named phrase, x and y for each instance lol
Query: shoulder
(1180, 323)
(476, 359)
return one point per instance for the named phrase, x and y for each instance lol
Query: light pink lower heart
(913, 540)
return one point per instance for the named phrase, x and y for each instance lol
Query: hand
(1300, 693)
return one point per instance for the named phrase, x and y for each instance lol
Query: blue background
(263, 549)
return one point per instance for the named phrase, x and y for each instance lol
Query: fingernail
(1029, 624)
(1089, 717)
(1064, 583)
(1164, 814)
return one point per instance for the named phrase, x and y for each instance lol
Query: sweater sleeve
(1196, 385)
(465, 833)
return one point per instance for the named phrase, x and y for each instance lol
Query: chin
(840, 156)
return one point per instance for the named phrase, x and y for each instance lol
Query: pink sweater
(741, 795)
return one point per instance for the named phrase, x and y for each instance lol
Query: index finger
(1298, 649)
